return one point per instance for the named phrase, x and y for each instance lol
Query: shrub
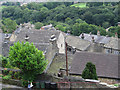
(17, 75)
(89, 72)
(38, 25)
(4, 61)
(7, 77)
(5, 72)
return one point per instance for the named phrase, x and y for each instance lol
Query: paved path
(9, 86)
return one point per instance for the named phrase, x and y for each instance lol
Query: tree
(28, 59)
(105, 25)
(89, 72)
(9, 25)
(88, 17)
(38, 25)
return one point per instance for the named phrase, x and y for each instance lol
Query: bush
(4, 61)
(38, 25)
(5, 72)
(7, 77)
(17, 75)
(89, 72)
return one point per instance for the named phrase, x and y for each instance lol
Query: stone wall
(69, 82)
(109, 81)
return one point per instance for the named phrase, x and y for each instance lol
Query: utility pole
(66, 59)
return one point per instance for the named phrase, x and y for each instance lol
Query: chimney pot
(82, 36)
(98, 33)
(93, 40)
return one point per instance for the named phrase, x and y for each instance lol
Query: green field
(81, 5)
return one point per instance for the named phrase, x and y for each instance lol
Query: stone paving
(9, 86)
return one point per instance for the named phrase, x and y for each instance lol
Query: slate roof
(98, 39)
(17, 31)
(107, 65)
(114, 43)
(40, 38)
(4, 46)
(76, 42)
(4, 35)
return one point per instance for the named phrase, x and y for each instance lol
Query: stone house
(112, 46)
(50, 41)
(75, 43)
(103, 44)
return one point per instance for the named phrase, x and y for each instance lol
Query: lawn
(81, 5)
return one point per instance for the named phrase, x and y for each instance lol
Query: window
(116, 52)
(107, 50)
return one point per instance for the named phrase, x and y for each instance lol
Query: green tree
(106, 25)
(28, 59)
(38, 25)
(89, 72)
(88, 17)
(9, 25)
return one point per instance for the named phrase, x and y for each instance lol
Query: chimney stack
(93, 39)
(116, 35)
(118, 23)
(82, 36)
(90, 33)
(68, 32)
(98, 33)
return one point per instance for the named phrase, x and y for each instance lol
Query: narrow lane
(9, 86)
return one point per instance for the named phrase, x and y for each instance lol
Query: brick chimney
(116, 35)
(98, 33)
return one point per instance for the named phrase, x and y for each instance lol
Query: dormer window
(6, 36)
(53, 38)
(27, 37)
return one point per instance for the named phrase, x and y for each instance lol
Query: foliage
(81, 5)
(89, 72)
(101, 14)
(38, 25)
(17, 75)
(7, 77)
(1, 75)
(114, 29)
(79, 28)
(11, 4)
(28, 59)
(5, 72)
(9, 25)
(4, 61)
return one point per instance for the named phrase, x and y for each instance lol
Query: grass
(80, 5)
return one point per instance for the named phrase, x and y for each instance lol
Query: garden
(23, 64)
